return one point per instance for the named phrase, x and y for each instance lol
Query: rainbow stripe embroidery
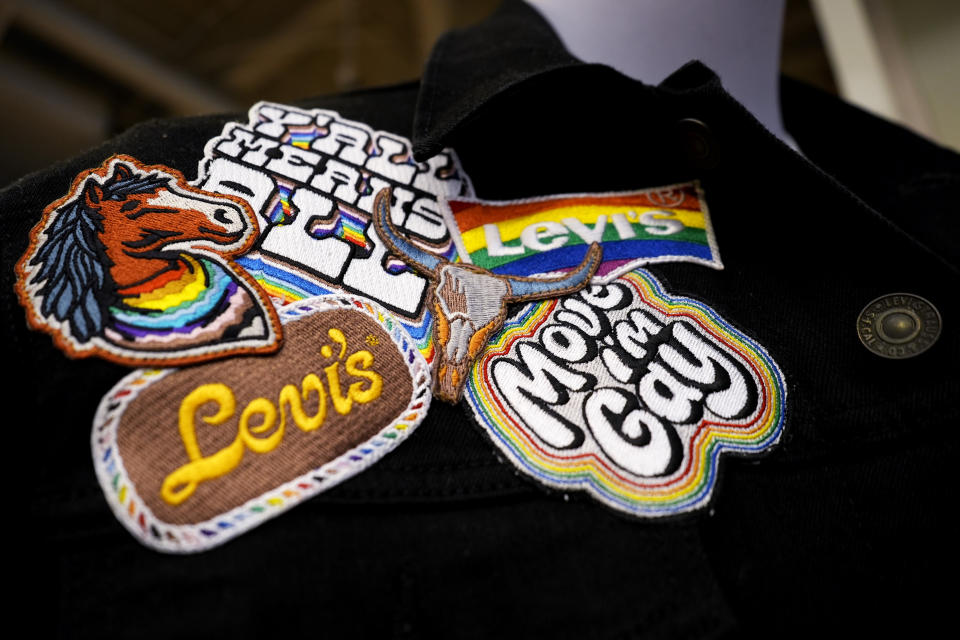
(282, 211)
(348, 227)
(161, 307)
(538, 235)
(285, 284)
(135, 265)
(627, 393)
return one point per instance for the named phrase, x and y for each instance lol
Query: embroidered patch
(133, 265)
(538, 235)
(312, 177)
(627, 393)
(469, 303)
(189, 458)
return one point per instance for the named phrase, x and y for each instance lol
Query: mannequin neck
(650, 39)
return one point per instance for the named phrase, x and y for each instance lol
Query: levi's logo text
(538, 235)
(181, 484)
(627, 393)
(134, 265)
(311, 176)
(190, 458)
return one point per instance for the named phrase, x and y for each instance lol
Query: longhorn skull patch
(470, 303)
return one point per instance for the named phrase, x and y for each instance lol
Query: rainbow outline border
(687, 489)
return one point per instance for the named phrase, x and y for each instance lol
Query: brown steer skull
(470, 303)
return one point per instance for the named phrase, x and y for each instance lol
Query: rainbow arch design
(349, 227)
(285, 285)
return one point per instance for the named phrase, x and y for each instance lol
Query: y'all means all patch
(311, 176)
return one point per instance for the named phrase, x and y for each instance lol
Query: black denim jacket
(846, 522)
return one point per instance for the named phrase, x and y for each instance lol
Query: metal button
(899, 325)
(698, 143)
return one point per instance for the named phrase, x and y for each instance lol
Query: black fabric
(912, 182)
(458, 79)
(846, 523)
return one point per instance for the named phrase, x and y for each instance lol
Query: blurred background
(74, 72)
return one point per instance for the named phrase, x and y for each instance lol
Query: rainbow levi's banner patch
(539, 235)
(627, 393)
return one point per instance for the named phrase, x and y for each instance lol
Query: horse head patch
(133, 265)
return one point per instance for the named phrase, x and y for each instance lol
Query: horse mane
(74, 267)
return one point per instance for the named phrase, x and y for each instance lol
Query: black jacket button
(899, 325)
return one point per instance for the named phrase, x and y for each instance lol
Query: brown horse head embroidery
(133, 265)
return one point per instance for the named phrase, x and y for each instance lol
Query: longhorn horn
(399, 246)
(522, 289)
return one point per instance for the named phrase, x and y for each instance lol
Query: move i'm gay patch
(190, 458)
(540, 235)
(628, 393)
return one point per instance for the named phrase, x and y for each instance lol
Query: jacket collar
(468, 68)
(513, 63)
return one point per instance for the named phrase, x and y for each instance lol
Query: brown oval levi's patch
(189, 458)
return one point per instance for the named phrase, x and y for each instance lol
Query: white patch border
(627, 267)
(189, 537)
